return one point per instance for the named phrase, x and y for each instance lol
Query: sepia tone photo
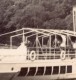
(37, 39)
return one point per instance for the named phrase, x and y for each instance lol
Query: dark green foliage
(55, 14)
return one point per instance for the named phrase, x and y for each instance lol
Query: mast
(74, 18)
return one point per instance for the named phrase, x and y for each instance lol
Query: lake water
(15, 77)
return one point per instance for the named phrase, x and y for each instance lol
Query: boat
(39, 54)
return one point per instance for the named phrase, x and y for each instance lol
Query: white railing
(51, 54)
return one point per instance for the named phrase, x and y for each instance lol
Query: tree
(31, 13)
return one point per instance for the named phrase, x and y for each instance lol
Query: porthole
(12, 69)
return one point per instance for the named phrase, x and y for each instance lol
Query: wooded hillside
(53, 14)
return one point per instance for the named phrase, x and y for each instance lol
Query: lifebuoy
(62, 55)
(32, 55)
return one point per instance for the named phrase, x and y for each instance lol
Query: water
(15, 77)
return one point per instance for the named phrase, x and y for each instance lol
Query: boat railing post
(50, 45)
(66, 49)
(54, 54)
(55, 47)
(42, 44)
(68, 53)
(37, 48)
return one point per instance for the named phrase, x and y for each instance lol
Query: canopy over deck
(38, 35)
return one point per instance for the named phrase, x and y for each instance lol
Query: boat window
(62, 69)
(48, 70)
(55, 69)
(40, 71)
(69, 69)
(32, 71)
(23, 72)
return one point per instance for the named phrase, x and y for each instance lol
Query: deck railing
(47, 54)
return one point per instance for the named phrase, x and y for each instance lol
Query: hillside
(53, 14)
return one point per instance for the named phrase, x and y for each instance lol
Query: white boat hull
(11, 68)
